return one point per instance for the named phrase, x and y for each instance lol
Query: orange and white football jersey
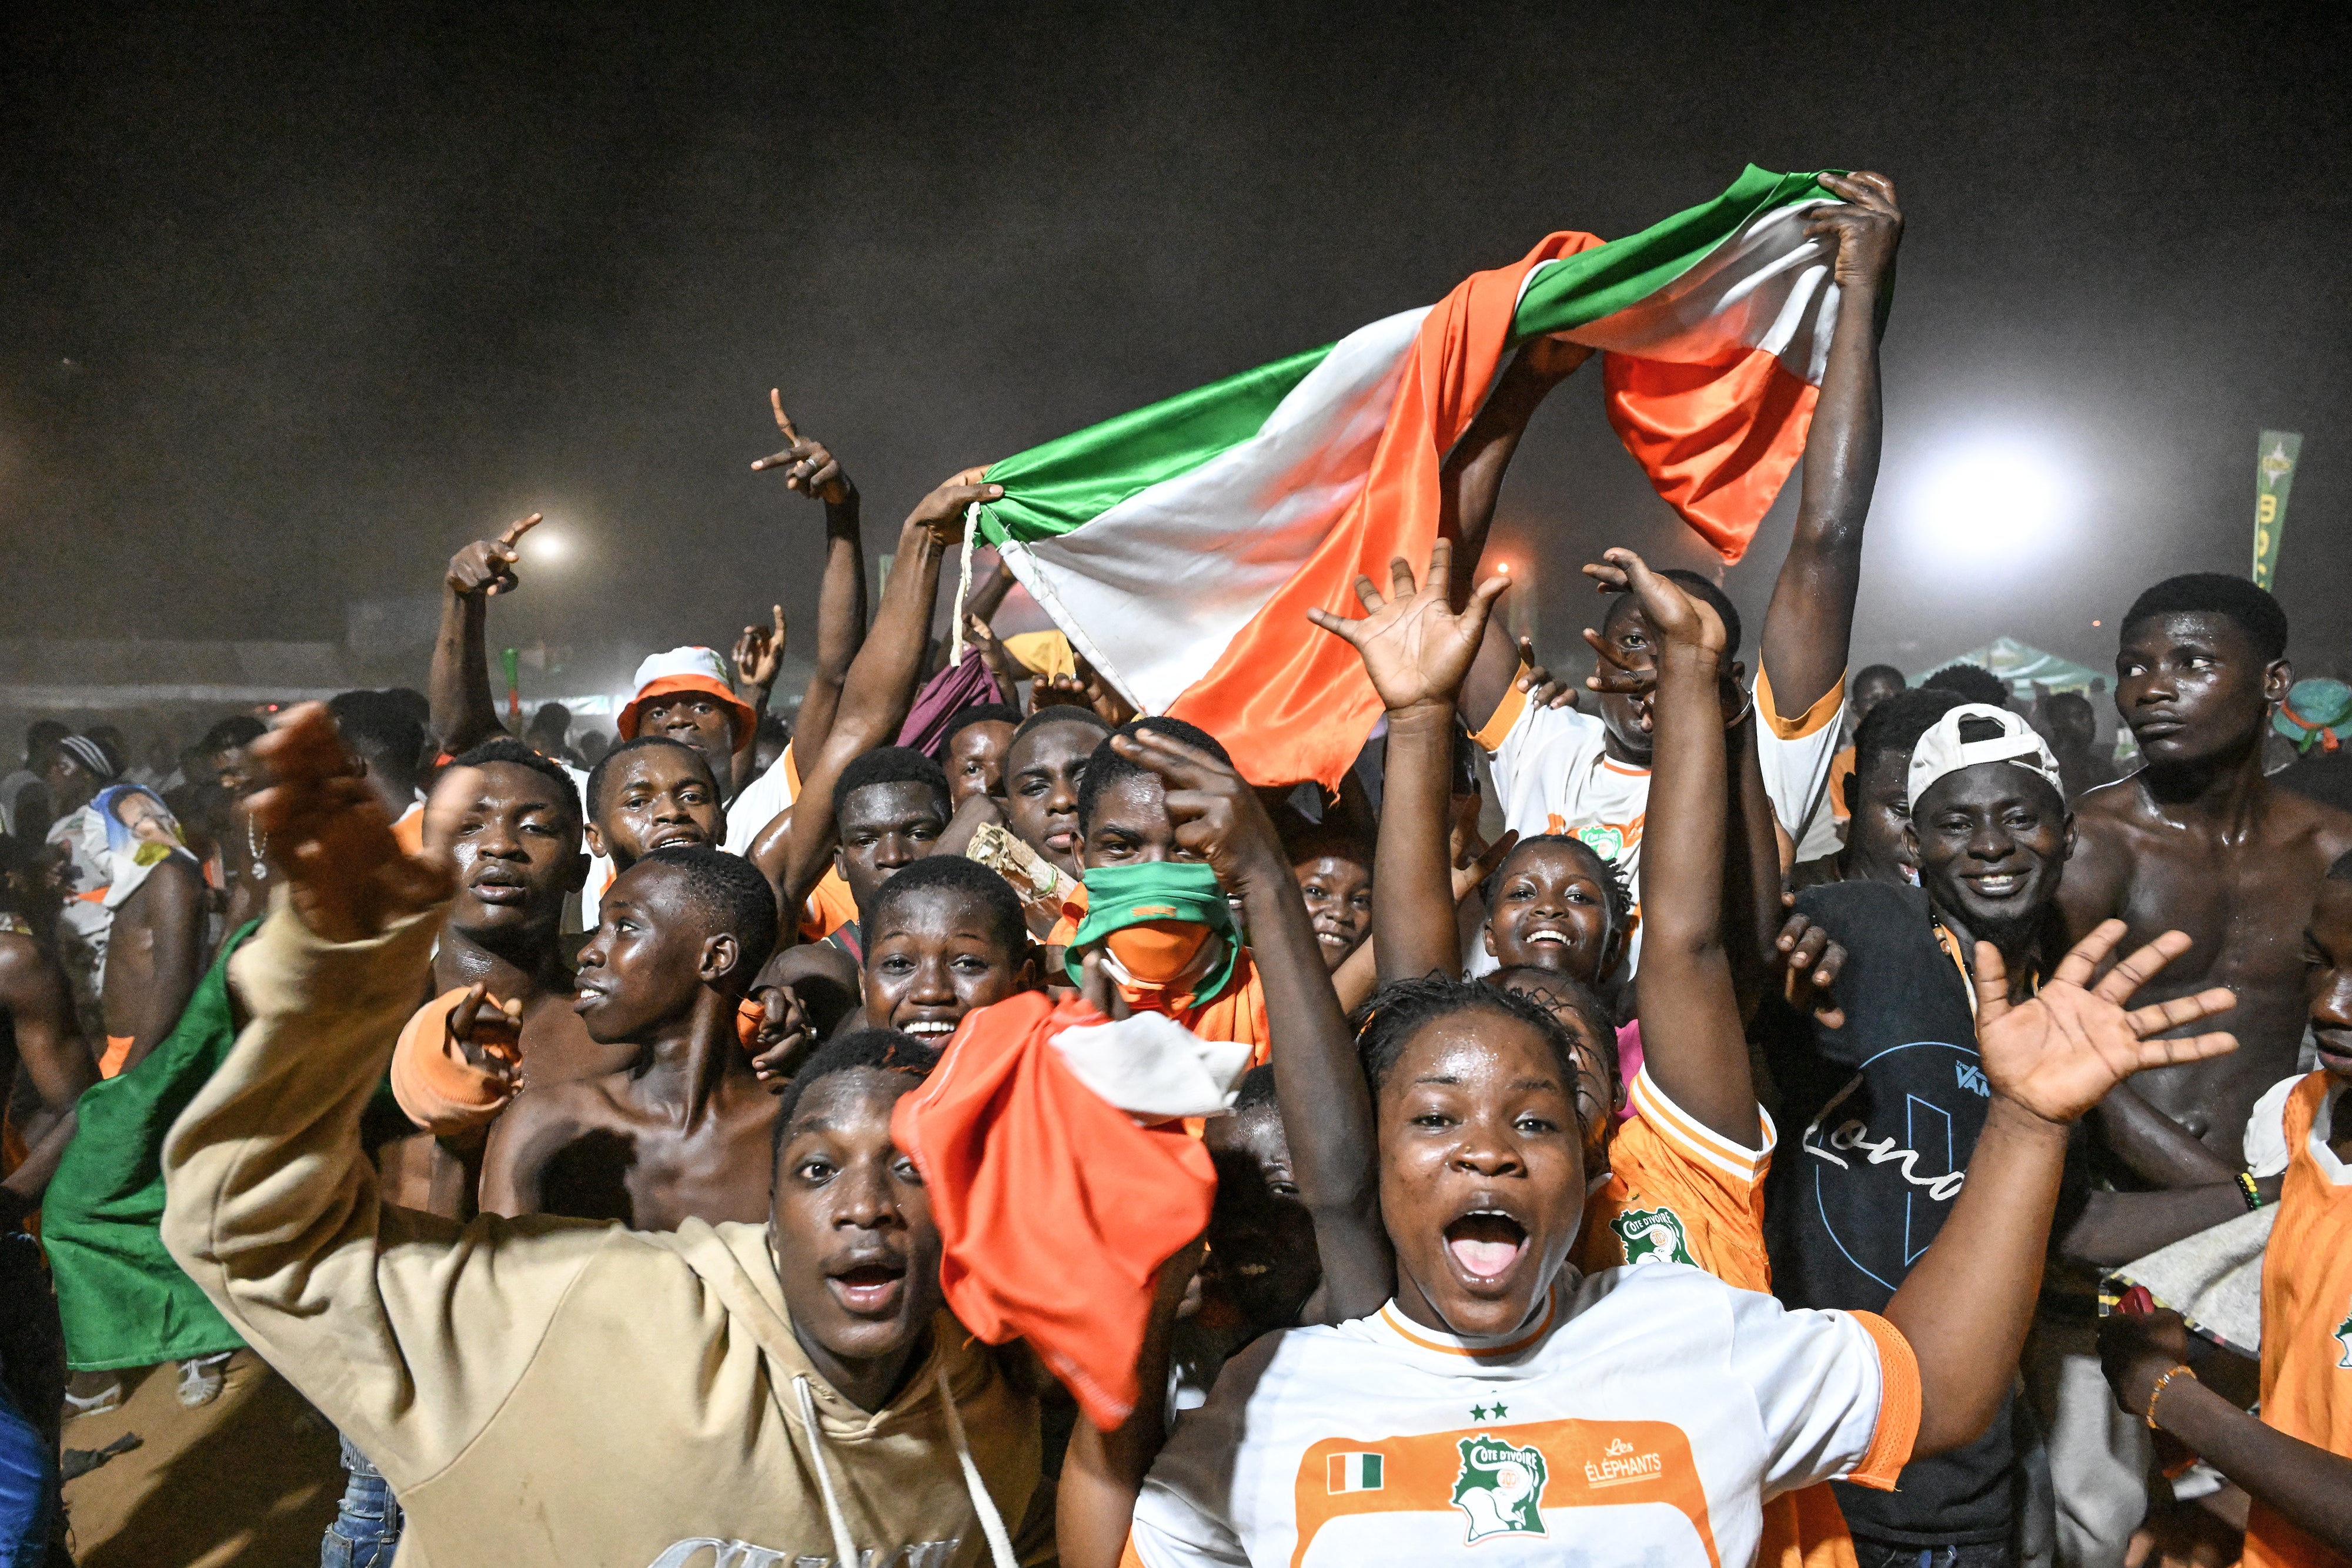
(1642, 1418)
(1678, 1192)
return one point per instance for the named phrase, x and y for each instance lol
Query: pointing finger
(783, 420)
(516, 531)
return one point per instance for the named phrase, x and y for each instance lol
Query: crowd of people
(966, 1122)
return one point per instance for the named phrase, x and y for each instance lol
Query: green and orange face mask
(1162, 926)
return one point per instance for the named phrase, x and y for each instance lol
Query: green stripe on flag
(1052, 489)
(1581, 289)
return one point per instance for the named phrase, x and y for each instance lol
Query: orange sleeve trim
(1128, 1556)
(439, 1090)
(791, 766)
(1898, 1406)
(117, 1052)
(1490, 738)
(1823, 711)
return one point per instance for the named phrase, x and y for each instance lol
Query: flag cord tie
(963, 587)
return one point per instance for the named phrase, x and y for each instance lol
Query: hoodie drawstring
(843, 1551)
(992, 1523)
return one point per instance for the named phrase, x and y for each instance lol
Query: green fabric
(1054, 489)
(2275, 452)
(124, 1302)
(2322, 707)
(1582, 288)
(1121, 895)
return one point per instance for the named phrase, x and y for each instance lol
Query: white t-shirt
(1644, 1420)
(2265, 1145)
(750, 812)
(1554, 775)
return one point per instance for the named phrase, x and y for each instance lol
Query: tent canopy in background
(2021, 664)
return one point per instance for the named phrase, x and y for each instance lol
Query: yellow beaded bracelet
(2157, 1391)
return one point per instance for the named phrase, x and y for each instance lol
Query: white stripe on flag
(1356, 1472)
(1173, 547)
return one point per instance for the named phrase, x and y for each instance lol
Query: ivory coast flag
(1181, 545)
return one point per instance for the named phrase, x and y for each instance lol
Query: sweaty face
(883, 828)
(643, 965)
(1880, 802)
(851, 1223)
(2328, 975)
(1339, 893)
(1131, 824)
(1627, 718)
(1041, 789)
(934, 957)
(2192, 686)
(692, 719)
(1992, 841)
(518, 854)
(1482, 1171)
(1551, 912)
(651, 799)
(1262, 1264)
(975, 761)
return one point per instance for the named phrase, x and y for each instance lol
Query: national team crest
(1652, 1236)
(1499, 1486)
(1605, 840)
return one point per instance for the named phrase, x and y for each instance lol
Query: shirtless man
(682, 1131)
(515, 836)
(155, 945)
(37, 1028)
(2197, 840)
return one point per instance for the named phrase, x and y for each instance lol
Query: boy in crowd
(157, 908)
(945, 936)
(972, 750)
(1877, 793)
(389, 745)
(679, 1133)
(785, 1391)
(651, 793)
(2200, 840)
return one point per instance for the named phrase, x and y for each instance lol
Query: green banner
(2274, 455)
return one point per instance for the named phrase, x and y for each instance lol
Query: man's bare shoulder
(2121, 807)
(2293, 818)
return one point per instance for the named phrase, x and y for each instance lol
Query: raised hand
(781, 1037)
(488, 1033)
(760, 652)
(808, 466)
(1096, 988)
(330, 837)
(1675, 616)
(1415, 649)
(1218, 816)
(941, 511)
(1544, 689)
(487, 566)
(1866, 228)
(1473, 865)
(2058, 1052)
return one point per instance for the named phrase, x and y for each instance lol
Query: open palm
(1414, 647)
(2058, 1052)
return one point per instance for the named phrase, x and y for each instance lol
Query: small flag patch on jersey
(1355, 1473)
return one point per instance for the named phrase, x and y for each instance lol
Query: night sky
(296, 304)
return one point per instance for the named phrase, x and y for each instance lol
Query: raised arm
(1966, 1304)
(877, 692)
(406, 1332)
(1327, 1109)
(1693, 1044)
(1472, 481)
(2305, 1484)
(464, 713)
(812, 470)
(1808, 629)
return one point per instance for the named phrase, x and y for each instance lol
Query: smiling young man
(1876, 789)
(944, 936)
(679, 1133)
(1892, 1103)
(651, 793)
(2198, 838)
(552, 1393)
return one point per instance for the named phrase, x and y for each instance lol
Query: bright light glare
(1995, 496)
(544, 548)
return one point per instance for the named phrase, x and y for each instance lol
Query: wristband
(2154, 1394)
(2247, 1189)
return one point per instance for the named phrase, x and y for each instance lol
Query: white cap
(1941, 750)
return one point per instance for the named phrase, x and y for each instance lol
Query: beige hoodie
(546, 1391)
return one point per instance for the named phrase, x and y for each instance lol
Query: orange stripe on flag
(1290, 701)
(1717, 438)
